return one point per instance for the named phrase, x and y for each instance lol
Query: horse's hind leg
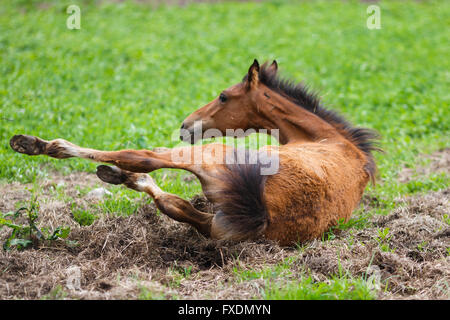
(169, 204)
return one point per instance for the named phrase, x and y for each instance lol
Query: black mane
(365, 139)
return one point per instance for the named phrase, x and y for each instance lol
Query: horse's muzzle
(187, 135)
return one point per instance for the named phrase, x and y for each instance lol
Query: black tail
(240, 207)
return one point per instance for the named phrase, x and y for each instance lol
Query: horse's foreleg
(203, 161)
(169, 204)
(131, 160)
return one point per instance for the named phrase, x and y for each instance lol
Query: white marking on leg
(69, 148)
(74, 150)
(146, 183)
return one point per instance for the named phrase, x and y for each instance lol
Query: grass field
(134, 71)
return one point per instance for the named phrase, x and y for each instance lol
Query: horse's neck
(294, 123)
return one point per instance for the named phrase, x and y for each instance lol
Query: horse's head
(235, 108)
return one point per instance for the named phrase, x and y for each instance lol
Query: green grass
(82, 216)
(57, 293)
(133, 72)
(338, 288)
(282, 282)
(267, 273)
(147, 294)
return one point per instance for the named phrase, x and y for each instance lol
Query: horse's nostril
(182, 125)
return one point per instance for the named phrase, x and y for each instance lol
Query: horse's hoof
(27, 144)
(112, 175)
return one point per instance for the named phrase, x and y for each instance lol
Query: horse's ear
(253, 75)
(273, 67)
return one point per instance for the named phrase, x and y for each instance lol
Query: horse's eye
(222, 98)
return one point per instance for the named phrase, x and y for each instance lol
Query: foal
(324, 163)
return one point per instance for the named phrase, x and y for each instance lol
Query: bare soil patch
(147, 254)
(438, 162)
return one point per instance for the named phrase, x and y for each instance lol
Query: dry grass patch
(147, 255)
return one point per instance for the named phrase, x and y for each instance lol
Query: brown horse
(324, 163)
